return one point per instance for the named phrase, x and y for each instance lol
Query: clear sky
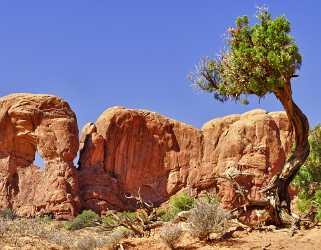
(99, 53)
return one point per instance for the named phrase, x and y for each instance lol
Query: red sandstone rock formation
(130, 150)
(126, 151)
(254, 145)
(43, 123)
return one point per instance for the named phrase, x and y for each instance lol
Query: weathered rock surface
(46, 124)
(253, 145)
(127, 150)
(130, 150)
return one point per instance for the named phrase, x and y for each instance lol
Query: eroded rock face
(43, 123)
(253, 145)
(130, 150)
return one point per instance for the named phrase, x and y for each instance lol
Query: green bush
(182, 201)
(303, 205)
(86, 219)
(7, 213)
(167, 214)
(308, 179)
(110, 220)
(177, 203)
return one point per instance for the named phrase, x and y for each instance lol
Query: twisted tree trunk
(277, 190)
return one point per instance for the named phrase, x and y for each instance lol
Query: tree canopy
(259, 59)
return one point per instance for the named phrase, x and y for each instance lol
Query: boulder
(31, 123)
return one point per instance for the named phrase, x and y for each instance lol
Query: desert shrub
(60, 238)
(170, 234)
(108, 220)
(87, 218)
(13, 230)
(86, 243)
(127, 215)
(8, 214)
(54, 233)
(111, 221)
(117, 235)
(3, 227)
(207, 217)
(45, 218)
(167, 214)
(182, 201)
(177, 203)
(308, 179)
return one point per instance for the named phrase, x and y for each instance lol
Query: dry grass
(170, 234)
(207, 217)
(40, 234)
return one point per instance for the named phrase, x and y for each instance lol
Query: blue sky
(98, 53)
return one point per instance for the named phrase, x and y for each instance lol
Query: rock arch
(43, 123)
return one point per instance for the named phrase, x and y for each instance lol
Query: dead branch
(145, 217)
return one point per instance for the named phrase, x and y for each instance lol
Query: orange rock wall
(128, 150)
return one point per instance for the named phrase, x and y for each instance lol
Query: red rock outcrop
(253, 146)
(130, 150)
(43, 123)
(127, 150)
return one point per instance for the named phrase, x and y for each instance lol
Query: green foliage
(168, 214)
(44, 218)
(259, 60)
(177, 203)
(110, 220)
(86, 219)
(182, 201)
(303, 205)
(308, 179)
(7, 213)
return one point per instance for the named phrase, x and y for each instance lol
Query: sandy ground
(255, 240)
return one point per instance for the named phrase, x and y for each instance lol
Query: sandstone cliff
(128, 150)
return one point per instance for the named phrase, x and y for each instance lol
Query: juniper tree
(261, 59)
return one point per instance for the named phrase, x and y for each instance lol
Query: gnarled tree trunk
(277, 189)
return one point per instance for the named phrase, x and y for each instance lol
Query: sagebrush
(170, 234)
(207, 217)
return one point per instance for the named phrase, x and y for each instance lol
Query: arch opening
(38, 161)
